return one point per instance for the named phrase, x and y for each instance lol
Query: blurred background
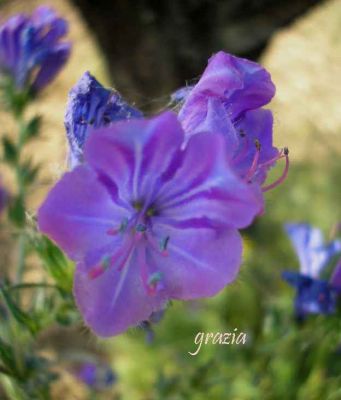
(146, 50)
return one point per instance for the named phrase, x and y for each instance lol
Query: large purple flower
(92, 106)
(227, 99)
(147, 220)
(31, 51)
(314, 295)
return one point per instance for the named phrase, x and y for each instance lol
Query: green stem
(33, 286)
(21, 257)
(22, 196)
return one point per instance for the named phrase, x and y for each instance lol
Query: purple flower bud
(314, 295)
(31, 51)
(92, 106)
(228, 100)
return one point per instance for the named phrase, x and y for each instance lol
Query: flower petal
(255, 125)
(135, 153)
(204, 186)
(242, 84)
(51, 65)
(78, 212)
(200, 262)
(117, 299)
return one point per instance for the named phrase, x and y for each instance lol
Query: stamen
(254, 164)
(159, 247)
(163, 246)
(280, 155)
(121, 229)
(98, 270)
(151, 283)
(284, 174)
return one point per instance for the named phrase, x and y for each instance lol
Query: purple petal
(255, 126)
(215, 120)
(30, 45)
(200, 262)
(241, 84)
(135, 153)
(78, 212)
(117, 299)
(92, 106)
(204, 187)
(52, 64)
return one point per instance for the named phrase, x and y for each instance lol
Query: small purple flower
(3, 197)
(314, 295)
(92, 106)
(31, 51)
(148, 221)
(96, 376)
(227, 100)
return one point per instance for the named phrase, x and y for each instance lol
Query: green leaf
(55, 262)
(16, 211)
(7, 356)
(22, 317)
(32, 129)
(10, 151)
(28, 172)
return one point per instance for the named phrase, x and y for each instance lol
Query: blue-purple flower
(228, 100)
(96, 376)
(31, 50)
(92, 106)
(314, 295)
(148, 220)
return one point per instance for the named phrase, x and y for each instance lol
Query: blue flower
(92, 106)
(314, 295)
(31, 52)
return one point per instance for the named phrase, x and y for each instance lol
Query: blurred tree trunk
(154, 46)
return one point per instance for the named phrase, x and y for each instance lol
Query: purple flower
(3, 197)
(314, 295)
(92, 106)
(148, 221)
(31, 52)
(227, 100)
(96, 376)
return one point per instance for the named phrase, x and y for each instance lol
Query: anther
(140, 228)
(138, 205)
(163, 245)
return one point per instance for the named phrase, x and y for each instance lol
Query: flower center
(139, 227)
